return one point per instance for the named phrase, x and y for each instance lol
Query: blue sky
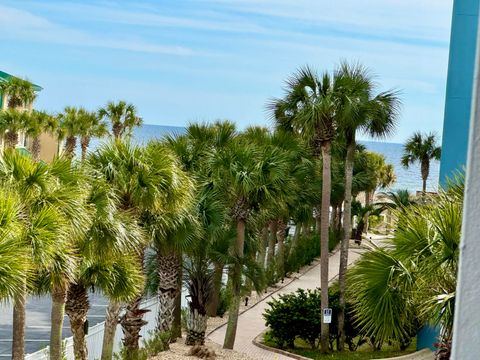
(182, 61)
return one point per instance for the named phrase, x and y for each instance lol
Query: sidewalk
(251, 322)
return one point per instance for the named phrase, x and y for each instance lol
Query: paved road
(251, 322)
(38, 323)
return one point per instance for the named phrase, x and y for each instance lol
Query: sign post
(327, 316)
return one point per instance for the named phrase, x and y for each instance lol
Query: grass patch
(364, 352)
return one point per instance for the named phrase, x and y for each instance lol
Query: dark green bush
(292, 315)
(299, 315)
(157, 343)
(306, 250)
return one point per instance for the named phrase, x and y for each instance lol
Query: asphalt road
(38, 323)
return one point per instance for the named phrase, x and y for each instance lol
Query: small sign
(327, 316)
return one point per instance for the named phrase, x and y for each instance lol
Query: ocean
(406, 178)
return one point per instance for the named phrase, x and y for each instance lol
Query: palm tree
(359, 109)
(309, 109)
(11, 122)
(49, 202)
(199, 278)
(123, 117)
(421, 148)
(107, 260)
(90, 125)
(36, 123)
(413, 279)
(20, 92)
(248, 176)
(70, 127)
(194, 150)
(399, 199)
(146, 181)
(13, 256)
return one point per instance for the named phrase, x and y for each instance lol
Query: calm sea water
(406, 178)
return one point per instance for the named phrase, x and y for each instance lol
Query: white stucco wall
(466, 331)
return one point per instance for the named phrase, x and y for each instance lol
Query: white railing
(95, 336)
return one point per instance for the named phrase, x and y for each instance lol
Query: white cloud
(417, 19)
(20, 24)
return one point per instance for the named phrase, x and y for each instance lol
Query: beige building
(49, 144)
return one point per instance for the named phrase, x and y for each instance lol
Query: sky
(181, 61)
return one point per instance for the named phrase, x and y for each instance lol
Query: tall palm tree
(122, 116)
(248, 176)
(194, 150)
(50, 202)
(359, 109)
(11, 122)
(309, 109)
(146, 181)
(90, 125)
(106, 262)
(70, 127)
(421, 148)
(20, 92)
(36, 123)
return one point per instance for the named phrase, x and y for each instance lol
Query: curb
(421, 354)
(257, 342)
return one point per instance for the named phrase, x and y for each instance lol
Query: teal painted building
(461, 68)
(4, 77)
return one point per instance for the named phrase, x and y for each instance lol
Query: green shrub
(157, 343)
(298, 315)
(292, 315)
(306, 250)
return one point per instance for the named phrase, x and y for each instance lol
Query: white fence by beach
(95, 336)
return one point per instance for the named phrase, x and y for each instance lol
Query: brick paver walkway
(251, 322)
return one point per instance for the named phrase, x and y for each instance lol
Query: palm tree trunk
(36, 148)
(271, 243)
(425, 169)
(70, 145)
(18, 336)
(296, 236)
(318, 220)
(236, 287)
(76, 308)
(305, 231)
(132, 322)
(196, 327)
(347, 228)
(117, 130)
(11, 139)
(281, 228)
(168, 270)
(59, 297)
(368, 201)
(84, 142)
(339, 216)
(177, 313)
(262, 252)
(324, 213)
(334, 216)
(111, 321)
(217, 285)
